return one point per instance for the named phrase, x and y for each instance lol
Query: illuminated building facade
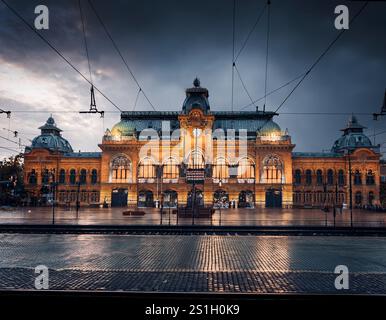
(220, 158)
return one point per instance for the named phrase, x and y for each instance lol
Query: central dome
(269, 128)
(124, 128)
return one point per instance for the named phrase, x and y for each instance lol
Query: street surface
(193, 263)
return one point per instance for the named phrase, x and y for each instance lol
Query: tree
(11, 180)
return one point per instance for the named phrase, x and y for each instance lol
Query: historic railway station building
(219, 158)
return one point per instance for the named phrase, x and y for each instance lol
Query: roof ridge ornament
(196, 82)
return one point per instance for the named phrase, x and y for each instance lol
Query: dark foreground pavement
(194, 263)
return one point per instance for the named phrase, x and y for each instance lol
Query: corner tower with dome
(199, 156)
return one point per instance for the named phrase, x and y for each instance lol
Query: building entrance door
(119, 197)
(273, 198)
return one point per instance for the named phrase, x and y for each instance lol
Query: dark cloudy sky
(168, 43)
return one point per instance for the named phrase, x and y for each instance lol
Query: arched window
(82, 176)
(341, 179)
(196, 160)
(330, 177)
(371, 198)
(358, 197)
(308, 177)
(171, 169)
(45, 176)
(298, 177)
(220, 169)
(32, 177)
(147, 169)
(370, 178)
(72, 176)
(246, 169)
(94, 176)
(120, 169)
(62, 176)
(272, 170)
(319, 177)
(357, 177)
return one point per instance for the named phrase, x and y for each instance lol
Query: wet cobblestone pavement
(193, 263)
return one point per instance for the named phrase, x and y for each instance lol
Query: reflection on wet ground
(193, 262)
(277, 217)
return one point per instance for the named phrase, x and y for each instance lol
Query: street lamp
(350, 186)
(220, 184)
(53, 186)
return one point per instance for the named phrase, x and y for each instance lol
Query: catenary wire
(57, 52)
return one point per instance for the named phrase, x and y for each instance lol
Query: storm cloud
(168, 43)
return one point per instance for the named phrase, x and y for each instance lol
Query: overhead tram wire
(250, 32)
(119, 53)
(317, 61)
(243, 46)
(267, 52)
(233, 51)
(93, 107)
(58, 52)
(9, 140)
(9, 149)
(243, 84)
(273, 91)
(136, 99)
(85, 40)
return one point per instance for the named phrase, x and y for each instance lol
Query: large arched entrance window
(272, 170)
(171, 169)
(147, 169)
(196, 160)
(220, 169)
(246, 169)
(120, 170)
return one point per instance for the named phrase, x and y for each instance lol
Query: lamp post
(77, 200)
(53, 186)
(350, 186)
(159, 173)
(325, 202)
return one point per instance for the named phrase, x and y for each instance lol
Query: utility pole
(336, 200)
(77, 200)
(53, 195)
(350, 186)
